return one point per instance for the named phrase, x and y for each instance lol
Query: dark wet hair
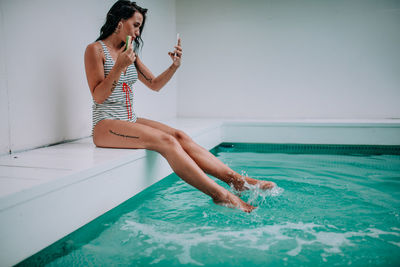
(122, 9)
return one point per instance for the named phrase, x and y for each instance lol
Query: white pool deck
(49, 192)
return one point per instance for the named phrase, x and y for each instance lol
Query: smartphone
(177, 42)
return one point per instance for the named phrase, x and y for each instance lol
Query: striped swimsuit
(119, 105)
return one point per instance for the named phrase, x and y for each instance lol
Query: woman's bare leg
(207, 161)
(123, 134)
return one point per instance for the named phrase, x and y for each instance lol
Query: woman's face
(131, 25)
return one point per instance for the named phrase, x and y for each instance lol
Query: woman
(111, 70)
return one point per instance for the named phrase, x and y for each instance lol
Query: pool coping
(100, 179)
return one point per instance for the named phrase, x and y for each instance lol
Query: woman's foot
(231, 201)
(242, 183)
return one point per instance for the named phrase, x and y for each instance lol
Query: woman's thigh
(125, 134)
(157, 125)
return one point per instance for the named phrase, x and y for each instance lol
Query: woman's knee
(169, 142)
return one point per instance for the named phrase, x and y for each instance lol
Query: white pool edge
(36, 218)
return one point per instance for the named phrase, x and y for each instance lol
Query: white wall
(159, 38)
(4, 118)
(289, 58)
(44, 95)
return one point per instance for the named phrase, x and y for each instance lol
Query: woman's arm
(101, 87)
(156, 83)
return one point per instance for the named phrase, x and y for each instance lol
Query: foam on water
(260, 238)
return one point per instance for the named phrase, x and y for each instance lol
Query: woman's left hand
(176, 56)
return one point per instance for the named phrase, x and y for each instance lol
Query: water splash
(255, 195)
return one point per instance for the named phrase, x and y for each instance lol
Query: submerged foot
(242, 184)
(232, 201)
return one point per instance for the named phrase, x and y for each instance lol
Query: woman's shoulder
(95, 50)
(94, 46)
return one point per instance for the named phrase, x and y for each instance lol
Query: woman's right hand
(125, 58)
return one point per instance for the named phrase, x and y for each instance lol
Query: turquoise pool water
(333, 206)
